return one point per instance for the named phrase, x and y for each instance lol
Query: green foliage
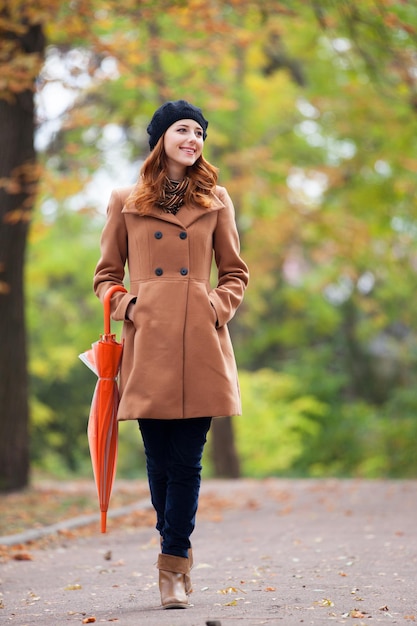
(277, 424)
(366, 441)
(286, 431)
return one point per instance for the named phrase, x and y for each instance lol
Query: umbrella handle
(106, 303)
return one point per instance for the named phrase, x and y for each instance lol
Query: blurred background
(313, 126)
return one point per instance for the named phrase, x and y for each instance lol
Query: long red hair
(202, 176)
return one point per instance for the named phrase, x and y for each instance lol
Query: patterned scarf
(172, 195)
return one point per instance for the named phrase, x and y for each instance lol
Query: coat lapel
(187, 215)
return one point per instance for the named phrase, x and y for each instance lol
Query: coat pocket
(216, 321)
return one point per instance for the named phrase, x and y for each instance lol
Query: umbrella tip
(103, 521)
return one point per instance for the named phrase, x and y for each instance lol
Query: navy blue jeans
(173, 450)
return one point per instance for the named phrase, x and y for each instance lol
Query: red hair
(202, 181)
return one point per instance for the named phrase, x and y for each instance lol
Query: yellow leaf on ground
(231, 590)
(324, 602)
(228, 590)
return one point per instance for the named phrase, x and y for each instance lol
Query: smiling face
(183, 144)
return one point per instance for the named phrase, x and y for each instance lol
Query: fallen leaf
(230, 590)
(357, 614)
(33, 597)
(75, 587)
(324, 602)
(384, 608)
(65, 532)
(23, 556)
(270, 588)
(89, 620)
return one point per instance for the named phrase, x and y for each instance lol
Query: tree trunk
(18, 177)
(224, 455)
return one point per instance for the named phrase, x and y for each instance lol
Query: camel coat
(178, 359)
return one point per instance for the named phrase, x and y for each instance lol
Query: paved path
(273, 552)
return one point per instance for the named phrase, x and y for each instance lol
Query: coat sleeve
(110, 269)
(233, 273)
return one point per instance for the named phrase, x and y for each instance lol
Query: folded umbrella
(104, 359)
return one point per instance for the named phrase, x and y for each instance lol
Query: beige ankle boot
(172, 571)
(187, 580)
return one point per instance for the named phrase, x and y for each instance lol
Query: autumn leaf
(231, 590)
(23, 556)
(89, 620)
(324, 602)
(34, 597)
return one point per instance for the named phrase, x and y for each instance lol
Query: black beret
(171, 112)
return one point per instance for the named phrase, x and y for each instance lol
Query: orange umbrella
(104, 359)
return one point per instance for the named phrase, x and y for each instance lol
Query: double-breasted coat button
(183, 271)
(159, 271)
(183, 235)
(158, 234)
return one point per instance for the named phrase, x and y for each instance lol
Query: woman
(178, 369)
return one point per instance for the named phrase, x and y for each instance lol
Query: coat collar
(187, 215)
